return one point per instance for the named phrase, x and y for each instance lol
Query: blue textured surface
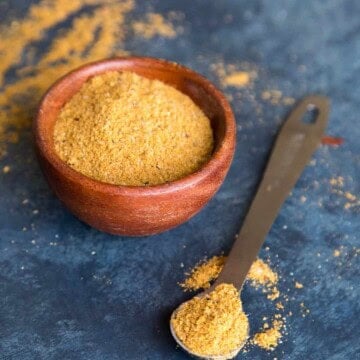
(70, 292)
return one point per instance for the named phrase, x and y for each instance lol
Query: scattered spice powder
(270, 337)
(6, 169)
(260, 273)
(351, 199)
(237, 79)
(336, 253)
(275, 97)
(338, 181)
(155, 24)
(124, 129)
(212, 325)
(298, 285)
(203, 273)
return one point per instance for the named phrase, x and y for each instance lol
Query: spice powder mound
(124, 129)
(212, 325)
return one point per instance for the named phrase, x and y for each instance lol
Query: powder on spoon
(124, 129)
(214, 324)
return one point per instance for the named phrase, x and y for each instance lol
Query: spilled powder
(237, 79)
(336, 253)
(269, 338)
(237, 76)
(337, 181)
(350, 199)
(202, 274)
(200, 277)
(260, 273)
(153, 25)
(214, 324)
(275, 97)
(6, 169)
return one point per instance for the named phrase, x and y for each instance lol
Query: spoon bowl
(230, 355)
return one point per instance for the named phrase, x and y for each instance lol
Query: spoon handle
(294, 146)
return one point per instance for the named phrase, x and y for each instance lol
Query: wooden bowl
(133, 210)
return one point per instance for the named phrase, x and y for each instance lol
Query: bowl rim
(222, 151)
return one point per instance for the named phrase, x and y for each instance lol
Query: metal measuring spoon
(294, 146)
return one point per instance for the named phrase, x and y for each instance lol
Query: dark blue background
(70, 292)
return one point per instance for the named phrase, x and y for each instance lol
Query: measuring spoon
(294, 146)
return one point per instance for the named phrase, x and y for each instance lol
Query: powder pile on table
(125, 129)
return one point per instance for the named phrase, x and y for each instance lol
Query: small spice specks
(238, 79)
(275, 293)
(6, 169)
(154, 25)
(338, 181)
(303, 199)
(288, 101)
(260, 273)
(350, 196)
(93, 253)
(336, 253)
(298, 285)
(204, 273)
(35, 212)
(25, 201)
(33, 242)
(305, 311)
(22, 267)
(269, 338)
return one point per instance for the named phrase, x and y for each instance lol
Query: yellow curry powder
(202, 274)
(269, 338)
(124, 129)
(260, 275)
(155, 24)
(214, 324)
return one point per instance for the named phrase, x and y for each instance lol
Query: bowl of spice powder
(134, 146)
